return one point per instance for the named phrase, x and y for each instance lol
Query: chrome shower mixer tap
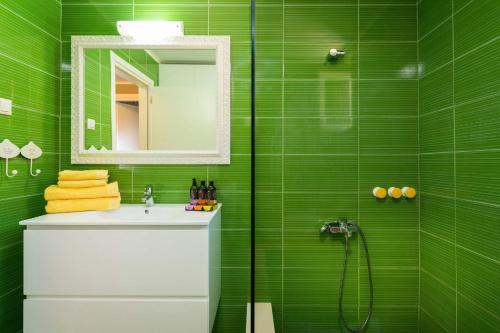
(340, 226)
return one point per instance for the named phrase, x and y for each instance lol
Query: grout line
(459, 293)
(12, 290)
(454, 160)
(461, 199)
(28, 65)
(418, 180)
(20, 196)
(282, 165)
(490, 150)
(358, 159)
(442, 329)
(475, 49)
(29, 22)
(434, 29)
(496, 261)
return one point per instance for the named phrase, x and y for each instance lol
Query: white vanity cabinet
(123, 271)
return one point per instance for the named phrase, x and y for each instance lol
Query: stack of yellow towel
(78, 191)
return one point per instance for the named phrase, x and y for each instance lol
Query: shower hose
(362, 327)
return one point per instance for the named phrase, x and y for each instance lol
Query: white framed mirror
(164, 102)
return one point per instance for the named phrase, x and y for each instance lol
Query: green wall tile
(435, 257)
(468, 34)
(380, 135)
(400, 319)
(437, 174)
(387, 23)
(322, 286)
(11, 259)
(320, 24)
(269, 24)
(335, 96)
(394, 288)
(457, 173)
(325, 174)
(94, 19)
(321, 135)
(474, 319)
(393, 248)
(436, 131)
(437, 216)
(478, 78)
(478, 132)
(43, 14)
(477, 176)
(311, 210)
(477, 279)
(388, 98)
(388, 60)
(478, 226)
(11, 311)
(436, 90)
(431, 13)
(431, 57)
(231, 20)
(30, 77)
(437, 305)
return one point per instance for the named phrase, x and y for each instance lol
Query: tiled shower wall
(328, 131)
(30, 77)
(171, 183)
(459, 165)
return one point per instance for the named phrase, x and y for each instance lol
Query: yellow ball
(409, 192)
(380, 192)
(395, 192)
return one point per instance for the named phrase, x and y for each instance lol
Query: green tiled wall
(459, 130)
(98, 89)
(29, 76)
(171, 183)
(328, 131)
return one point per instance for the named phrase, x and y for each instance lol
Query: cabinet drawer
(160, 262)
(115, 316)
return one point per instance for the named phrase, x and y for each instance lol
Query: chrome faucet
(147, 197)
(340, 226)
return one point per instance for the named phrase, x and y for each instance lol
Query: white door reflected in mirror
(151, 104)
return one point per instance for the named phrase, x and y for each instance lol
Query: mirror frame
(79, 155)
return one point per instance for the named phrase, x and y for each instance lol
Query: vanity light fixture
(150, 30)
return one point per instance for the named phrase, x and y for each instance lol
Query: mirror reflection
(158, 99)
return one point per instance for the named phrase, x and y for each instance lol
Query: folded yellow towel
(82, 183)
(83, 175)
(55, 192)
(81, 205)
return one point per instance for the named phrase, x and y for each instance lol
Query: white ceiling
(183, 56)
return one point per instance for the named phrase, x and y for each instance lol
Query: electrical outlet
(5, 106)
(90, 124)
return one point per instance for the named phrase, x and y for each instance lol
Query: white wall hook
(31, 151)
(8, 150)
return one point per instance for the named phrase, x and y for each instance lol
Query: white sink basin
(160, 214)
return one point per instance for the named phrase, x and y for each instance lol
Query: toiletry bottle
(212, 194)
(193, 193)
(202, 193)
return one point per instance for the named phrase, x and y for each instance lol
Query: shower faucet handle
(331, 228)
(339, 226)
